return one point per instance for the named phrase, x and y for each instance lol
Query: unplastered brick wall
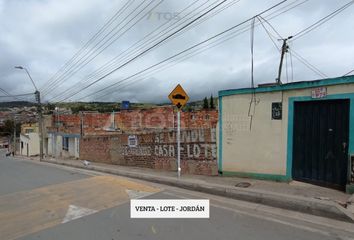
(83, 123)
(157, 150)
(144, 120)
(96, 123)
(69, 124)
(199, 119)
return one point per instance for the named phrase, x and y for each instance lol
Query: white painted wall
(33, 144)
(50, 144)
(30, 142)
(55, 147)
(263, 149)
(25, 142)
(77, 148)
(58, 146)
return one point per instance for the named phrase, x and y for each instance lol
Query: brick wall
(157, 150)
(154, 129)
(143, 120)
(199, 119)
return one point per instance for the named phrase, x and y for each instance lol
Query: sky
(64, 45)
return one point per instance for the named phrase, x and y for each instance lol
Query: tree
(188, 108)
(212, 105)
(77, 109)
(49, 108)
(205, 103)
(8, 128)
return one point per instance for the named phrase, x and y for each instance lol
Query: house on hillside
(29, 139)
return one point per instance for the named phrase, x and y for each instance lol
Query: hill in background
(102, 107)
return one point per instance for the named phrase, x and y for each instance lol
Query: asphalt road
(35, 199)
(18, 175)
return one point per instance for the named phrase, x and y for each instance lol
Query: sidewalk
(296, 196)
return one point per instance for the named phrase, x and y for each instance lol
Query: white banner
(169, 208)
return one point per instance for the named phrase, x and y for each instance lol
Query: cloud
(43, 35)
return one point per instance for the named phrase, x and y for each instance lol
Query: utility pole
(14, 143)
(40, 124)
(284, 49)
(39, 109)
(82, 123)
(54, 139)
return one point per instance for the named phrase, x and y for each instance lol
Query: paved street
(43, 201)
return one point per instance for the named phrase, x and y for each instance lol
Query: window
(29, 130)
(65, 143)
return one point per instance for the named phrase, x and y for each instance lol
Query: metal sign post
(179, 98)
(179, 143)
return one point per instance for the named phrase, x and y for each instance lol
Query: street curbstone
(301, 204)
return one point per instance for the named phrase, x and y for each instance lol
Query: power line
(92, 39)
(269, 34)
(150, 48)
(110, 64)
(348, 73)
(302, 33)
(19, 95)
(184, 51)
(272, 27)
(321, 21)
(188, 55)
(252, 51)
(291, 65)
(307, 64)
(217, 42)
(85, 59)
(204, 19)
(253, 96)
(8, 95)
(291, 5)
(191, 54)
(88, 57)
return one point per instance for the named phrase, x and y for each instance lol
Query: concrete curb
(301, 204)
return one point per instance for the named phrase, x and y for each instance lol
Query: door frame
(292, 100)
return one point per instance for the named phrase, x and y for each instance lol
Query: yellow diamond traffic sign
(178, 97)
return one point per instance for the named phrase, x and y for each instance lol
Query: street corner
(27, 212)
(128, 184)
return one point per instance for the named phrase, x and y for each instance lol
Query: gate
(320, 150)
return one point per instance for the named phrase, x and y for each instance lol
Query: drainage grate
(243, 184)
